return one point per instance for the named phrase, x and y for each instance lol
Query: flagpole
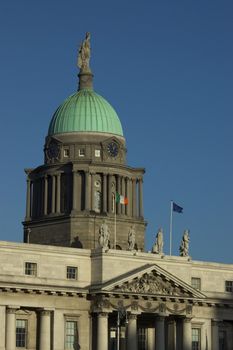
(171, 228)
(115, 235)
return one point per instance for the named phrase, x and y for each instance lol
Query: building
(77, 282)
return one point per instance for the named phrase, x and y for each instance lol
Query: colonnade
(157, 339)
(44, 332)
(46, 193)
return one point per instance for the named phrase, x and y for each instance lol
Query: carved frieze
(150, 283)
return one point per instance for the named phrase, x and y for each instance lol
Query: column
(45, 195)
(28, 207)
(123, 193)
(102, 331)
(74, 190)
(53, 193)
(10, 328)
(45, 330)
(187, 334)
(151, 339)
(160, 333)
(215, 335)
(171, 335)
(140, 197)
(109, 193)
(132, 338)
(127, 209)
(134, 198)
(87, 190)
(118, 208)
(92, 191)
(104, 192)
(3, 327)
(58, 196)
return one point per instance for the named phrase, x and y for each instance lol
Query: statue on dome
(104, 236)
(131, 238)
(84, 54)
(184, 246)
(158, 246)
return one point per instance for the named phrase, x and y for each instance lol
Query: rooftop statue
(158, 246)
(84, 54)
(184, 246)
(131, 238)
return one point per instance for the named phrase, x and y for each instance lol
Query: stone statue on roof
(84, 53)
(131, 238)
(158, 246)
(184, 246)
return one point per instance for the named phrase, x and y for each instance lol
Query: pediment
(152, 280)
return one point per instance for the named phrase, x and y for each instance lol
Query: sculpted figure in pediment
(149, 283)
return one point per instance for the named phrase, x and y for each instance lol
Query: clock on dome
(113, 149)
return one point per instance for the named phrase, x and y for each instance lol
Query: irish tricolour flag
(121, 199)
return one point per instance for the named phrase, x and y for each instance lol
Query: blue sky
(166, 67)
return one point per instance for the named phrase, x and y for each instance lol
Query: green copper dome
(85, 111)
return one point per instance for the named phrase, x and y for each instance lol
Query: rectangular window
(30, 269)
(196, 339)
(81, 152)
(66, 152)
(229, 286)
(21, 333)
(196, 283)
(97, 153)
(71, 273)
(71, 335)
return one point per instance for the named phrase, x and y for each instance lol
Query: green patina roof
(85, 111)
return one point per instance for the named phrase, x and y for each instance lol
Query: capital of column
(45, 312)
(160, 318)
(103, 314)
(187, 319)
(11, 309)
(132, 316)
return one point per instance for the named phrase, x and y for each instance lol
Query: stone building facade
(82, 279)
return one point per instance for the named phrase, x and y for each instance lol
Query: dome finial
(84, 54)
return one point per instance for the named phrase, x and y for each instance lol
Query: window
(71, 273)
(81, 152)
(222, 340)
(196, 338)
(71, 335)
(66, 152)
(229, 286)
(21, 333)
(97, 153)
(30, 269)
(196, 283)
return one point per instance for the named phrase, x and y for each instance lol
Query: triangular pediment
(151, 280)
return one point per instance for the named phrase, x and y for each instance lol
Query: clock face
(53, 150)
(113, 149)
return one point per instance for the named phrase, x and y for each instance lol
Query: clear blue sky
(166, 67)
